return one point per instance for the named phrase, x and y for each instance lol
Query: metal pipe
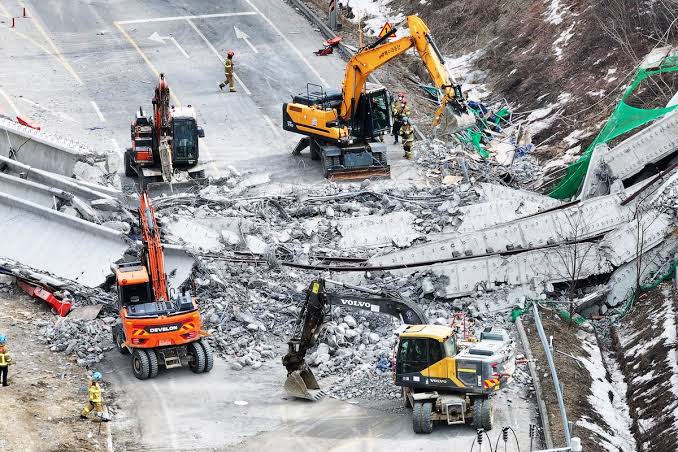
(554, 374)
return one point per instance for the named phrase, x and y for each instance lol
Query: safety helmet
(2, 339)
(406, 120)
(230, 53)
(96, 376)
(401, 94)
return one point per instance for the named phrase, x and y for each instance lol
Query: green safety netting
(621, 312)
(623, 119)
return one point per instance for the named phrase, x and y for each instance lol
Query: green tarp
(624, 118)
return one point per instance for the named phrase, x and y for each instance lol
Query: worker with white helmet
(228, 72)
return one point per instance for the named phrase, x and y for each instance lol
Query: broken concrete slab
(377, 230)
(40, 149)
(178, 265)
(57, 244)
(82, 189)
(37, 193)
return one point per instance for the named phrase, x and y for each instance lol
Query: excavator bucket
(453, 120)
(303, 385)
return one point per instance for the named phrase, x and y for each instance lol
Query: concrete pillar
(332, 15)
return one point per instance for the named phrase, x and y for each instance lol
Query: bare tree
(568, 261)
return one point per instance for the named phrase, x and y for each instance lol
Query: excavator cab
(133, 284)
(185, 134)
(373, 115)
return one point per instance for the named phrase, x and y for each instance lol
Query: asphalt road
(81, 68)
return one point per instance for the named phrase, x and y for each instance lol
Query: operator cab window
(450, 347)
(135, 294)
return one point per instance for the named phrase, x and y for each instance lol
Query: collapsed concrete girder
(81, 189)
(650, 145)
(40, 149)
(31, 191)
(56, 243)
(578, 222)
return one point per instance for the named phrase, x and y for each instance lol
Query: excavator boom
(155, 259)
(378, 54)
(301, 382)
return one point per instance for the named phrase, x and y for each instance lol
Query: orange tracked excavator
(155, 326)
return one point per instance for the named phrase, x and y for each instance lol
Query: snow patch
(615, 413)
(562, 41)
(556, 12)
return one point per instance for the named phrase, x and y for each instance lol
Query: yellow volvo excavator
(441, 379)
(343, 128)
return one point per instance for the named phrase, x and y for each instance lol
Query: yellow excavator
(344, 127)
(441, 379)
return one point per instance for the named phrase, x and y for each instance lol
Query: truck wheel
(487, 414)
(209, 357)
(141, 365)
(196, 352)
(477, 412)
(119, 339)
(425, 420)
(153, 363)
(129, 171)
(416, 417)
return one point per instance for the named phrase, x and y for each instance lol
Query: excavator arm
(150, 237)
(300, 379)
(376, 55)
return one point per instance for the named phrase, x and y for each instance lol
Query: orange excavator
(158, 328)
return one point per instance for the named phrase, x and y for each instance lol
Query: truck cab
(429, 357)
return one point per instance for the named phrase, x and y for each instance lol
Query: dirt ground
(47, 390)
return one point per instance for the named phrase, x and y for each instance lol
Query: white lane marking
(10, 103)
(273, 127)
(43, 108)
(167, 19)
(282, 35)
(96, 108)
(161, 39)
(117, 148)
(209, 44)
(245, 37)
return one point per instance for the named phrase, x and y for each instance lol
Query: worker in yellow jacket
(407, 132)
(228, 72)
(5, 360)
(95, 400)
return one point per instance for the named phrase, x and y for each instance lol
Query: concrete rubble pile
(86, 340)
(450, 163)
